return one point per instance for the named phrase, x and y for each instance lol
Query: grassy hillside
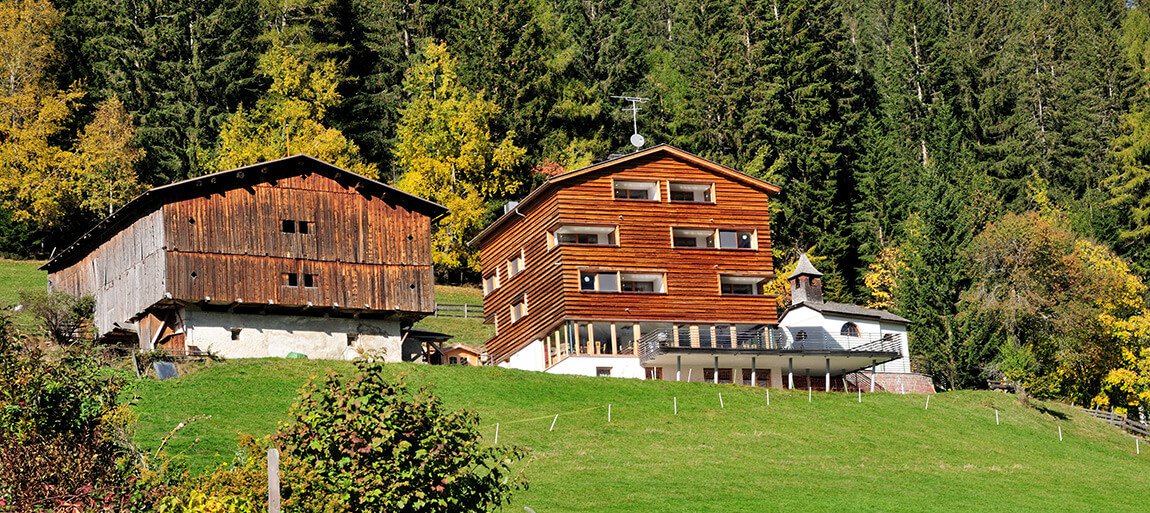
(886, 454)
(17, 276)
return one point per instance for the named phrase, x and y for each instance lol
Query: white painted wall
(277, 335)
(528, 358)
(827, 328)
(621, 366)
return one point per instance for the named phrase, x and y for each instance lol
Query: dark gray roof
(805, 267)
(849, 310)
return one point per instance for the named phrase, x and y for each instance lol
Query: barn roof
(294, 165)
(555, 181)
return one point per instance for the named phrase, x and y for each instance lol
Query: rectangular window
(291, 279)
(762, 377)
(641, 282)
(737, 239)
(741, 285)
(709, 375)
(309, 280)
(612, 281)
(519, 309)
(692, 238)
(690, 192)
(491, 283)
(453, 360)
(603, 371)
(637, 190)
(287, 226)
(515, 265)
(625, 335)
(304, 227)
(588, 235)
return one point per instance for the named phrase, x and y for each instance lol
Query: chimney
(806, 283)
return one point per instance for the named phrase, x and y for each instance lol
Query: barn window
(309, 280)
(515, 265)
(519, 309)
(291, 279)
(305, 227)
(491, 283)
(287, 226)
(849, 329)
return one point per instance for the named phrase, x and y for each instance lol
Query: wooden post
(927, 402)
(1137, 445)
(768, 395)
(608, 413)
(273, 480)
(496, 433)
(721, 406)
(676, 404)
(553, 421)
(996, 417)
(464, 310)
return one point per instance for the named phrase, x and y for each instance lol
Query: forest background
(979, 167)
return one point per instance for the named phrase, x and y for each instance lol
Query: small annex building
(293, 255)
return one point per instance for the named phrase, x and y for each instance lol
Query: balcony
(812, 350)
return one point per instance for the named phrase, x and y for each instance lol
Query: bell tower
(806, 283)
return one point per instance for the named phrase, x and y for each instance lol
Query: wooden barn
(289, 256)
(650, 265)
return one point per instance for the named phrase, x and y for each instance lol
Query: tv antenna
(636, 140)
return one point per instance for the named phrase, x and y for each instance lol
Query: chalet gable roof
(847, 310)
(294, 165)
(557, 180)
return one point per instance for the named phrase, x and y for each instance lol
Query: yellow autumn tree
(289, 118)
(882, 278)
(41, 181)
(447, 154)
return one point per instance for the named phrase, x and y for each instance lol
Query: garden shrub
(62, 315)
(373, 444)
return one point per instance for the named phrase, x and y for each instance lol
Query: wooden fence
(1140, 429)
(462, 310)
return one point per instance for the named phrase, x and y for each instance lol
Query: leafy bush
(63, 434)
(62, 315)
(371, 444)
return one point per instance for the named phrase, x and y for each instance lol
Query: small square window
(305, 227)
(309, 280)
(287, 226)
(291, 279)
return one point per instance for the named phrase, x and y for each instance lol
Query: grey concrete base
(236, 335)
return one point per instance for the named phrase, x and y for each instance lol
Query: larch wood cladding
(551, 277)
(364, 252)
(126, 274)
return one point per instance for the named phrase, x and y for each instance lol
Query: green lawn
(17, 276)
(832, 454)
(459, 295)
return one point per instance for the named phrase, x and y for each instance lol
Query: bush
(371, 444)
(62, 315)
(63, 434)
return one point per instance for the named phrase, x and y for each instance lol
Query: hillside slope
(888, 453)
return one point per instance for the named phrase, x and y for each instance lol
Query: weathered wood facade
(293, 236)
(640, 244)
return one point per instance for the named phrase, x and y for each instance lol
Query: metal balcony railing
(656, 342)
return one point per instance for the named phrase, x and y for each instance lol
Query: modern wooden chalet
(291, 255)
(650, 265)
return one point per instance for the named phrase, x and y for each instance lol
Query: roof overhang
(660, 149)
(285, 167)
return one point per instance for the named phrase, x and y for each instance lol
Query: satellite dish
(637, 140)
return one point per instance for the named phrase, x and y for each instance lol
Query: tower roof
(805, 267)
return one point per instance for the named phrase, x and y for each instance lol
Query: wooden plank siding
(125, 274)
(551, 280)
(365, 252)
(541, 280)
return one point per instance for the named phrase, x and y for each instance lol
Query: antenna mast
(636, 140)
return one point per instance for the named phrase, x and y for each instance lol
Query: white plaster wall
(528, 358)
(621, 366)
(277, 335)
(814, 322)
